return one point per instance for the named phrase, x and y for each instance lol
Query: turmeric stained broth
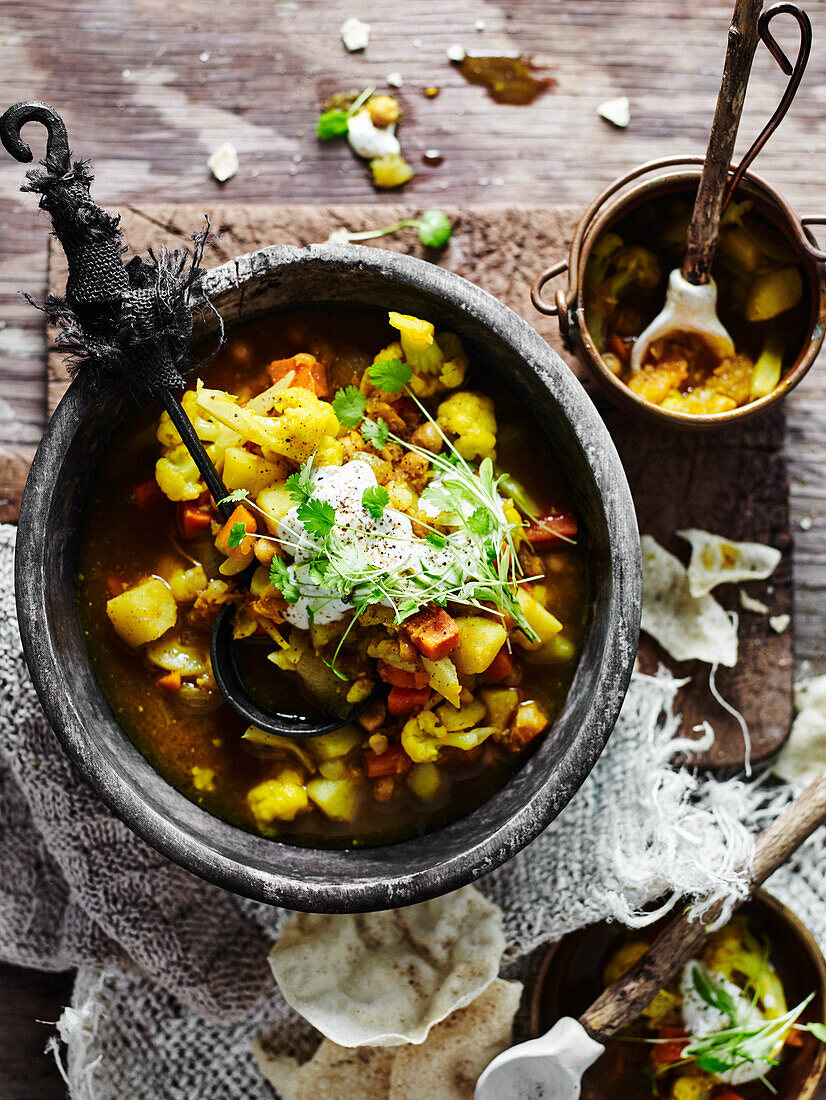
(400, 771)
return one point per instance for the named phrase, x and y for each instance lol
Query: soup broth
(132, 531)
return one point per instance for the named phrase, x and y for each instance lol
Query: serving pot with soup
(428, 512)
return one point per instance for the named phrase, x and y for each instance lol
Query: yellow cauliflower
(301, 424)
(438, 361)
(177, 475)
(422, 737)
(471, 419)
(207, 429)
(280, 798)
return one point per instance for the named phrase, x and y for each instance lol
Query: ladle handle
(743, 37)
(623, 1001)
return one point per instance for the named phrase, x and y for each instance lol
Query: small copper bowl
(569, 979)
(644, 184)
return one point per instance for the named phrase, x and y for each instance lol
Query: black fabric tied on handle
(128, 323)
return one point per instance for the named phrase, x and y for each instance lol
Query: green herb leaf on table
(317, 516)
(332, 124)
(237, 533)
(390, 375)
(280, 578)
(375, 500)
(349, 405)
(300, 485)
(375, 432)
(235, 495)
(434, 229)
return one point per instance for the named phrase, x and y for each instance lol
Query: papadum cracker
(445, 1066)
(803, 757)
(715, 560)
(448, 1064)
(686, 626)
(382, 979)
(333, 1072)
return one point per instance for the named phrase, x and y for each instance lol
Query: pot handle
(793, 71)
(560, 306)
(816, 253)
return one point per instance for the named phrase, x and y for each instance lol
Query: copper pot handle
(816, 253)
(560, 306)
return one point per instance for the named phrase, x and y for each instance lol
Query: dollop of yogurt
(387, 542)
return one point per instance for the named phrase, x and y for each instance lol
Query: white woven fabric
(173, 980)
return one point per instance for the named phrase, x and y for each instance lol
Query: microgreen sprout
(434, 228)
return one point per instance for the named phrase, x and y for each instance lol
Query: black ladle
(99, 292)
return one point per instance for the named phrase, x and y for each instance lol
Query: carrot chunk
(393, 761)
(145, 493)
(192, 519)
(400, 677)
(541, 533)
(406, 700)
(239, 515)
(307, 371)
(500, 668)
(170, 681)
(433, 632)
(664, 1054)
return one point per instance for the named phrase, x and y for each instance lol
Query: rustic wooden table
(149, 88)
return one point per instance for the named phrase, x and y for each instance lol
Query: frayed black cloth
(120, 323)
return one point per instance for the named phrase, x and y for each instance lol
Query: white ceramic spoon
(551, 1067)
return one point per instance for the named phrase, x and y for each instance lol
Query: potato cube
(338, 743)
(245, 470)
(426, 781)
(480, 639)
(275, 501)
(500, 704)
(337, 798)
(143, 613)
(541, 621)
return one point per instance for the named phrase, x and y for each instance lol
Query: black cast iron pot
(311, 878)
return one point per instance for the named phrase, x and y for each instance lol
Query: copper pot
(648, 182)
(569, 978)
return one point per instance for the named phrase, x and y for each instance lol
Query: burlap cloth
(173, 979)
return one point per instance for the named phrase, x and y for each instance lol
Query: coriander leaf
(280, 578)
(439, 541)
(818, 1030)
(375, 432)
(236, 494)
(375, 500)
(318, 517)
(479, 522)
(332, 124)
(349, 406)
(434, 229)
(390, 375)
(299, 485)
(317, 570)
(237, 533)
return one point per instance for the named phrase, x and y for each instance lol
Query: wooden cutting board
(731, 482)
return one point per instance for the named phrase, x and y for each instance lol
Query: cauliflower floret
(471, 419)
(207, 429)
(302, 423)
(422, 737)
(438, 361)
(282, 797)
(177, 475)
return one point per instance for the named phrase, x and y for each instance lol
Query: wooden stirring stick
(691, 297)
(623, 1001)
(703, 230)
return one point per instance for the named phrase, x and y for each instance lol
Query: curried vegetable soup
(761, 302)
(410, 536)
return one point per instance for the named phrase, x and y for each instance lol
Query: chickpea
(265, 551)
(428, 436)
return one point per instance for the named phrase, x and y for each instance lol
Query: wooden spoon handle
(623, 1001)
(743, 37)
